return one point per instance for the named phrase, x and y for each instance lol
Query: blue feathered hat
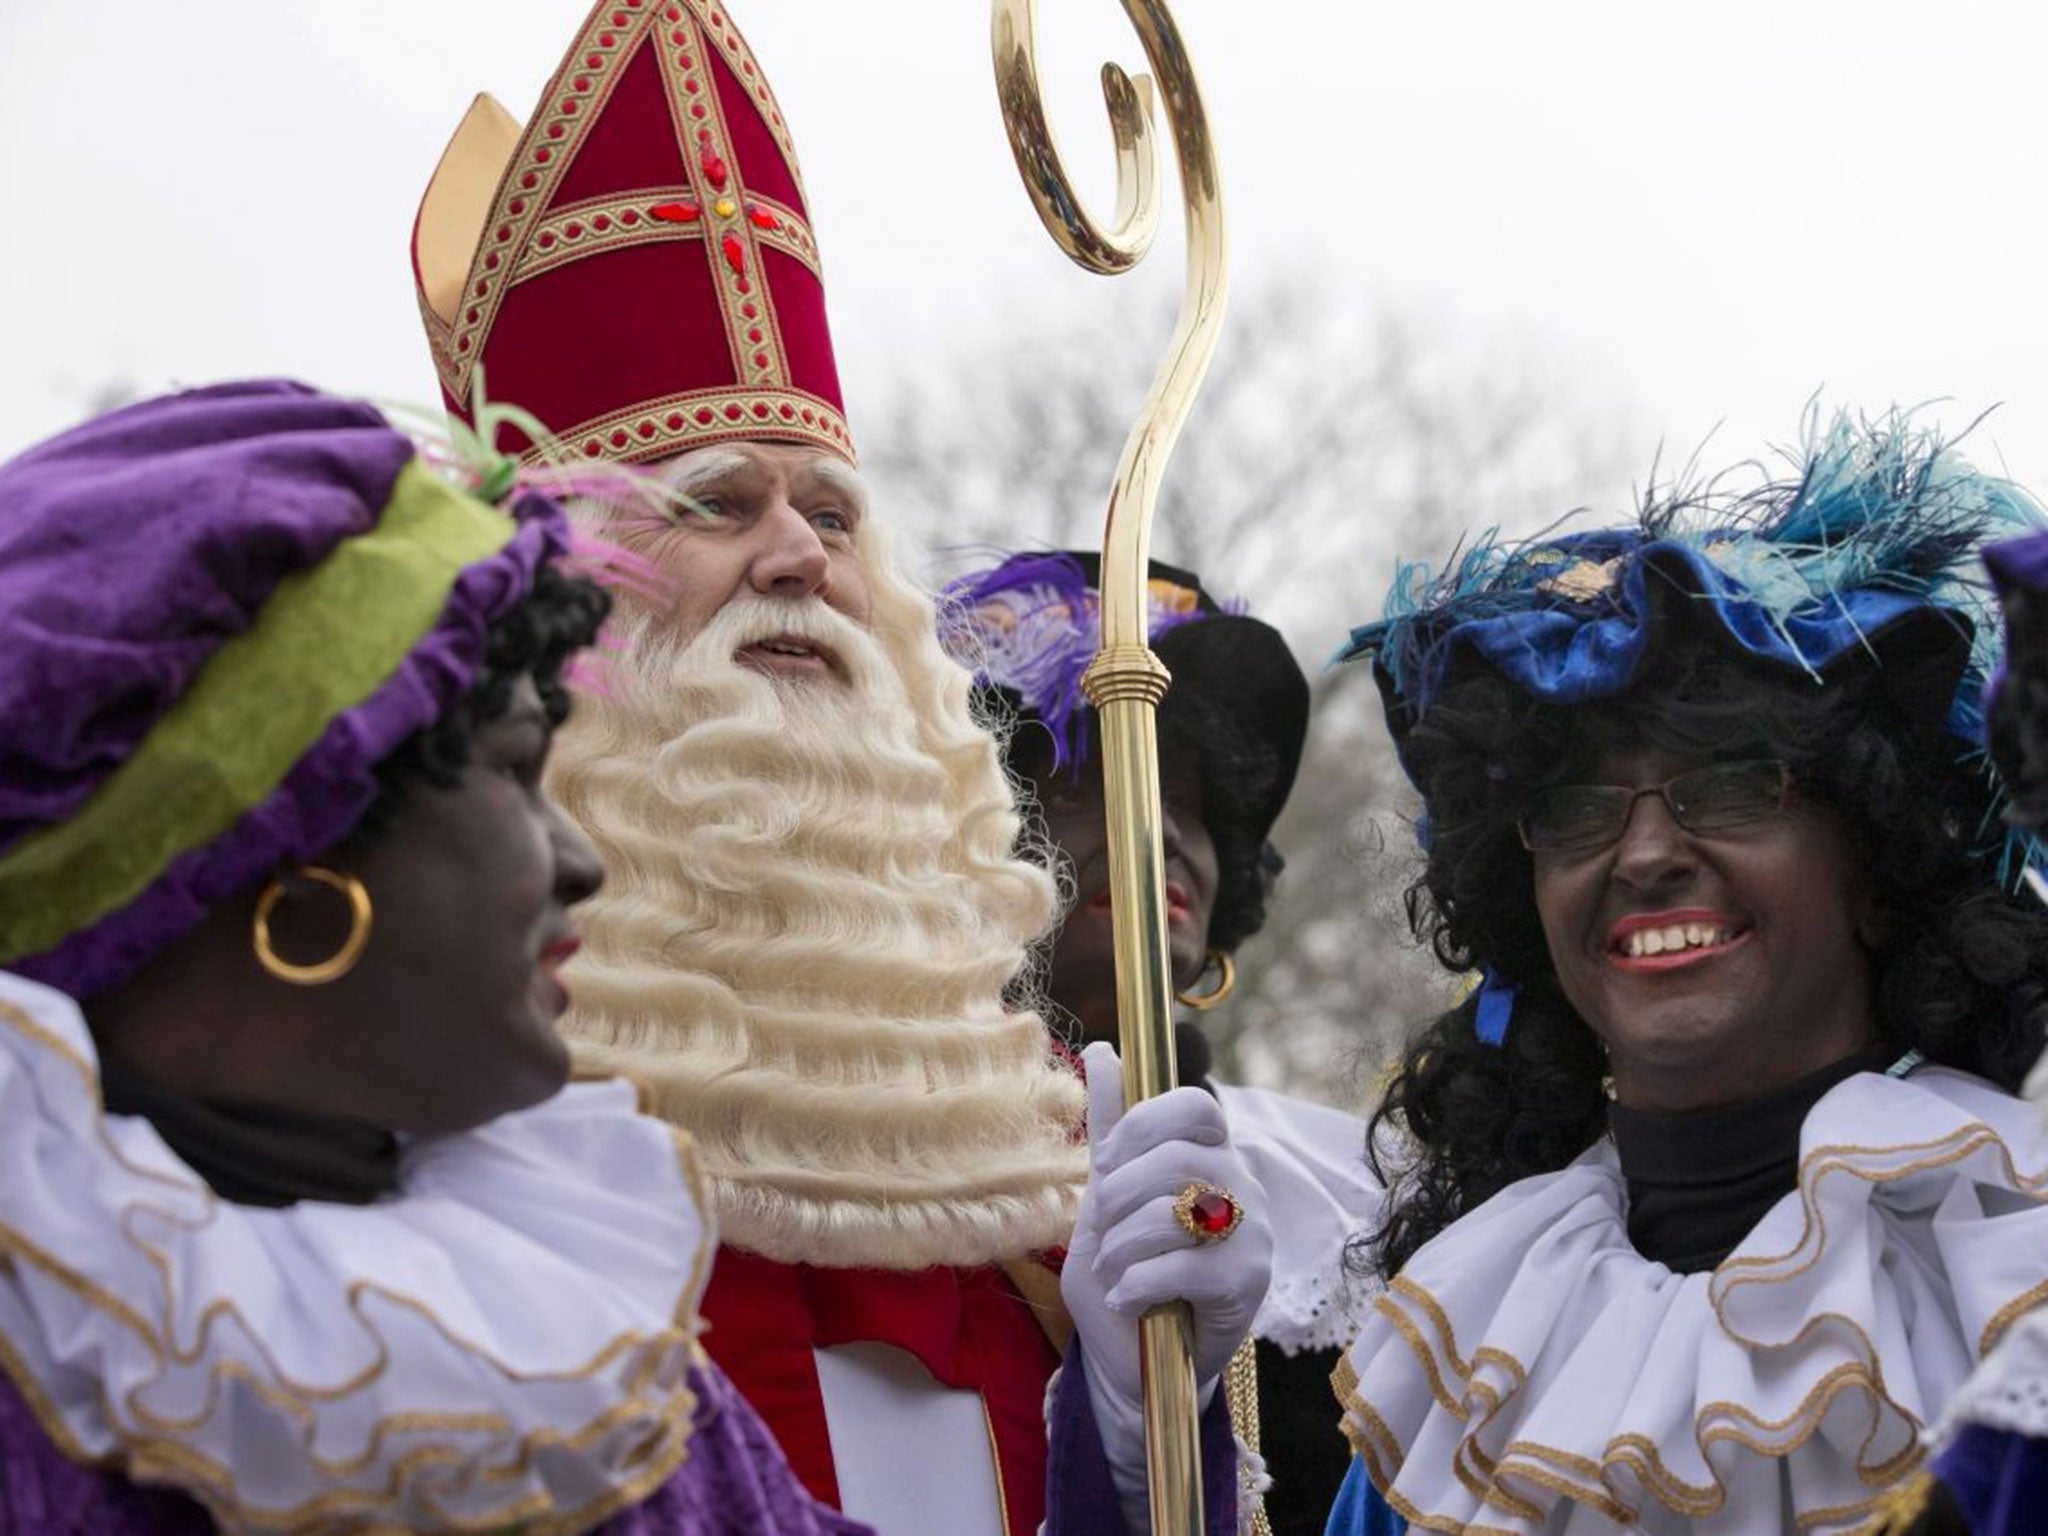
(1870, 550)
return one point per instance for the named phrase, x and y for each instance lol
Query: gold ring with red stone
(1207, 1212)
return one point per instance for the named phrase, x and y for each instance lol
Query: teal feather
(1875, 511)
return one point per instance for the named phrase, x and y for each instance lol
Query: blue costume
(1529, 1369)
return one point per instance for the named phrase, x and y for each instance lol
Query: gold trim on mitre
(458, 201)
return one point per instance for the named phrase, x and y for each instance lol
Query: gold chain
(1241, 1391)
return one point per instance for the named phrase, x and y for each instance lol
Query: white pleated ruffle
(1529, 1371)
(1320, 1194)
(505, 1343)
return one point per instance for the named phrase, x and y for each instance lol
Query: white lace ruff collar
(505, 1343)
(1529, 1371)
(1320, 1194)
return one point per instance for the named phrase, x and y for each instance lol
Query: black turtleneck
(1697, 1183)
(257, 1155)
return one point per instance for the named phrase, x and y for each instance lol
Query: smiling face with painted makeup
(1720, 939)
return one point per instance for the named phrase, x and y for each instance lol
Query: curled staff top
(221, 609)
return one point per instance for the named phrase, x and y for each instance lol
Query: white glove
(1130, 1253)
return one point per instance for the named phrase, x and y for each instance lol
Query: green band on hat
(325, 640)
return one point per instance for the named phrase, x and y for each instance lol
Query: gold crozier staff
(1126, 681)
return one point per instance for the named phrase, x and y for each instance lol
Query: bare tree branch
(1321, 449)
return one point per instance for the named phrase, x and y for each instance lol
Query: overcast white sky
(1704, 212)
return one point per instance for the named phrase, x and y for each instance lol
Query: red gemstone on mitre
(529, 331)
(1212, 1212)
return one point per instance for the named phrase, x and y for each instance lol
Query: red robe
(971, 1328)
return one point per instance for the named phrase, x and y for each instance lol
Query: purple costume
(734, 1484)
(219, 612)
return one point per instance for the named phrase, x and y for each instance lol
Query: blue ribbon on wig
(1496, 1008)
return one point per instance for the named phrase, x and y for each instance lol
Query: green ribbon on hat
(324, 641)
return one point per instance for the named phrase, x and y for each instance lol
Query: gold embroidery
(747, 69)
(1437, 1318)
(1382, 1454)
(600, 225)
(733, 226)
(788, 234)
(213, 1484)
(1391, 1310)
(674, 424)
(744, 300)
(1600, 1497)
(573, 99)
(995, 1456)
(2008, 1314)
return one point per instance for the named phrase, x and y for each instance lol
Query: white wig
(814, 907)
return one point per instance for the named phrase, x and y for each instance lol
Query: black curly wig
(559, 617)
(2017, 723)
(1962, 978)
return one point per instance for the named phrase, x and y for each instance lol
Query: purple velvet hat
(1030, 624)
(219, 611)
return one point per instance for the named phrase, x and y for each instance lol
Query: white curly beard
(812, 910)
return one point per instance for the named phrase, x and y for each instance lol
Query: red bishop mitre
(636, 268)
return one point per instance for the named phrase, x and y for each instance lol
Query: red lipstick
(1651, 942)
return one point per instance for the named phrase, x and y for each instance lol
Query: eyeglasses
(1580, 818)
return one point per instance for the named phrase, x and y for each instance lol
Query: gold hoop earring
(343, 960)
(1226, 984)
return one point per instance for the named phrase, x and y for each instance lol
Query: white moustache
(708, 658)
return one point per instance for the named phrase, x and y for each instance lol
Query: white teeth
(1665, 941)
